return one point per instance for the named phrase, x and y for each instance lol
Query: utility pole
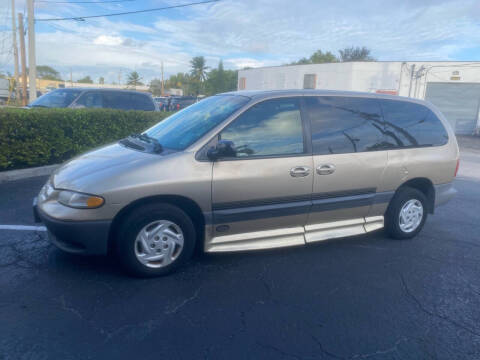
(32, 74)
(162, 88)
(22, 56)
(71, 79)
(15, 53)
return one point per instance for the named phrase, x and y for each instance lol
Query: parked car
(163, 103)
(255, 170)
(181, 102)
(78, 98)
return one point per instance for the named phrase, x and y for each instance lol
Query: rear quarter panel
(436, 163)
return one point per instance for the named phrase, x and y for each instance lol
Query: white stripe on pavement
(23, 227)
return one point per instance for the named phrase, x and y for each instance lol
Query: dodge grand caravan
(254, 170)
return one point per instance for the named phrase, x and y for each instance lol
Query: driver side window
(272, 127)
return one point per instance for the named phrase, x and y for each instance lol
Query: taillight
(458, 165)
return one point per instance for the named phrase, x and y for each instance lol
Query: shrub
(36, 137)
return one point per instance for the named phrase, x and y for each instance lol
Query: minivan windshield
(188, 125)
(60, 98)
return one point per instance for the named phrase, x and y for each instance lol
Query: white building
(453, 86)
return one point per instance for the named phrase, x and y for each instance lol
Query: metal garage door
(458, 102)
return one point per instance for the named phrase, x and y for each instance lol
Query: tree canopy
(199, 68)
(353, 53)
(221, 80)
(215, 81)
(85, 80)
(134, 79)
(318, 57)
(48, 73)
(155, 87)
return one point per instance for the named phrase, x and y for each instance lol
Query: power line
(81, 2)
(82, 18)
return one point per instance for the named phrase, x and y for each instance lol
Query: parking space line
(23, 227)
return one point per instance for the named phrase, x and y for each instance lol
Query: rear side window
(411, 125)
(344, 125)
(117, 100)
(91, 100)
(142, 102)
(269, 128)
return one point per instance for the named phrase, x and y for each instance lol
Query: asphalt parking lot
(364, 297)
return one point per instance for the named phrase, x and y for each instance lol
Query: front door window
(270, 128)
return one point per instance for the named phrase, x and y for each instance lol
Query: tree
(155, 87)
(355, 54)
(85, 80)
(319, 57)
(220, 80)
(216, 80)
(180, 81)
(134, 79)
(198, 74)
(199, 68)
(48, 73)
(101, 80)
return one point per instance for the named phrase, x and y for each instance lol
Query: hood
(98, 165)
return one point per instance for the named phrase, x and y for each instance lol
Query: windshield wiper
(42, 106)
(157, 147)
(131, 144)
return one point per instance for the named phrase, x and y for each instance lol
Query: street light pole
(32, 65)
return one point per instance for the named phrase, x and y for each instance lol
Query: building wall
(329, 76)
(388, 76)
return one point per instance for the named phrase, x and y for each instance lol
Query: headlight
(79, 200)
(47, 191)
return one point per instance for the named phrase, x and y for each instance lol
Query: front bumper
(79, 237)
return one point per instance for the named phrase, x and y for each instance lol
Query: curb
(12, 175)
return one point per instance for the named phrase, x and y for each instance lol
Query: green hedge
(39, 137)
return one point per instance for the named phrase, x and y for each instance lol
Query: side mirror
(224, 148)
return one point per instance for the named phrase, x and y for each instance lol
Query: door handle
(299, 171)
(325, 169)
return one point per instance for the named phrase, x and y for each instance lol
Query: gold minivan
(254, 170)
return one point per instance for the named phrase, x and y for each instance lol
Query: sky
(242, 33)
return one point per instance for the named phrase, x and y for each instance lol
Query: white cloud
(108, 40)
(239, 63)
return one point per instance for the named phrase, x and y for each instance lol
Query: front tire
(155, 239)
(406, 213)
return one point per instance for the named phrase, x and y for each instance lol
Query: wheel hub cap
(159, 243)
(411, 215)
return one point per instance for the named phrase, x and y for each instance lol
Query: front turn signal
(80, 200)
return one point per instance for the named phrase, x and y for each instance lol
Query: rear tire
(406, 213)
(155, 239)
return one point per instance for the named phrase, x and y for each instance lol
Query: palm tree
(199, 68)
